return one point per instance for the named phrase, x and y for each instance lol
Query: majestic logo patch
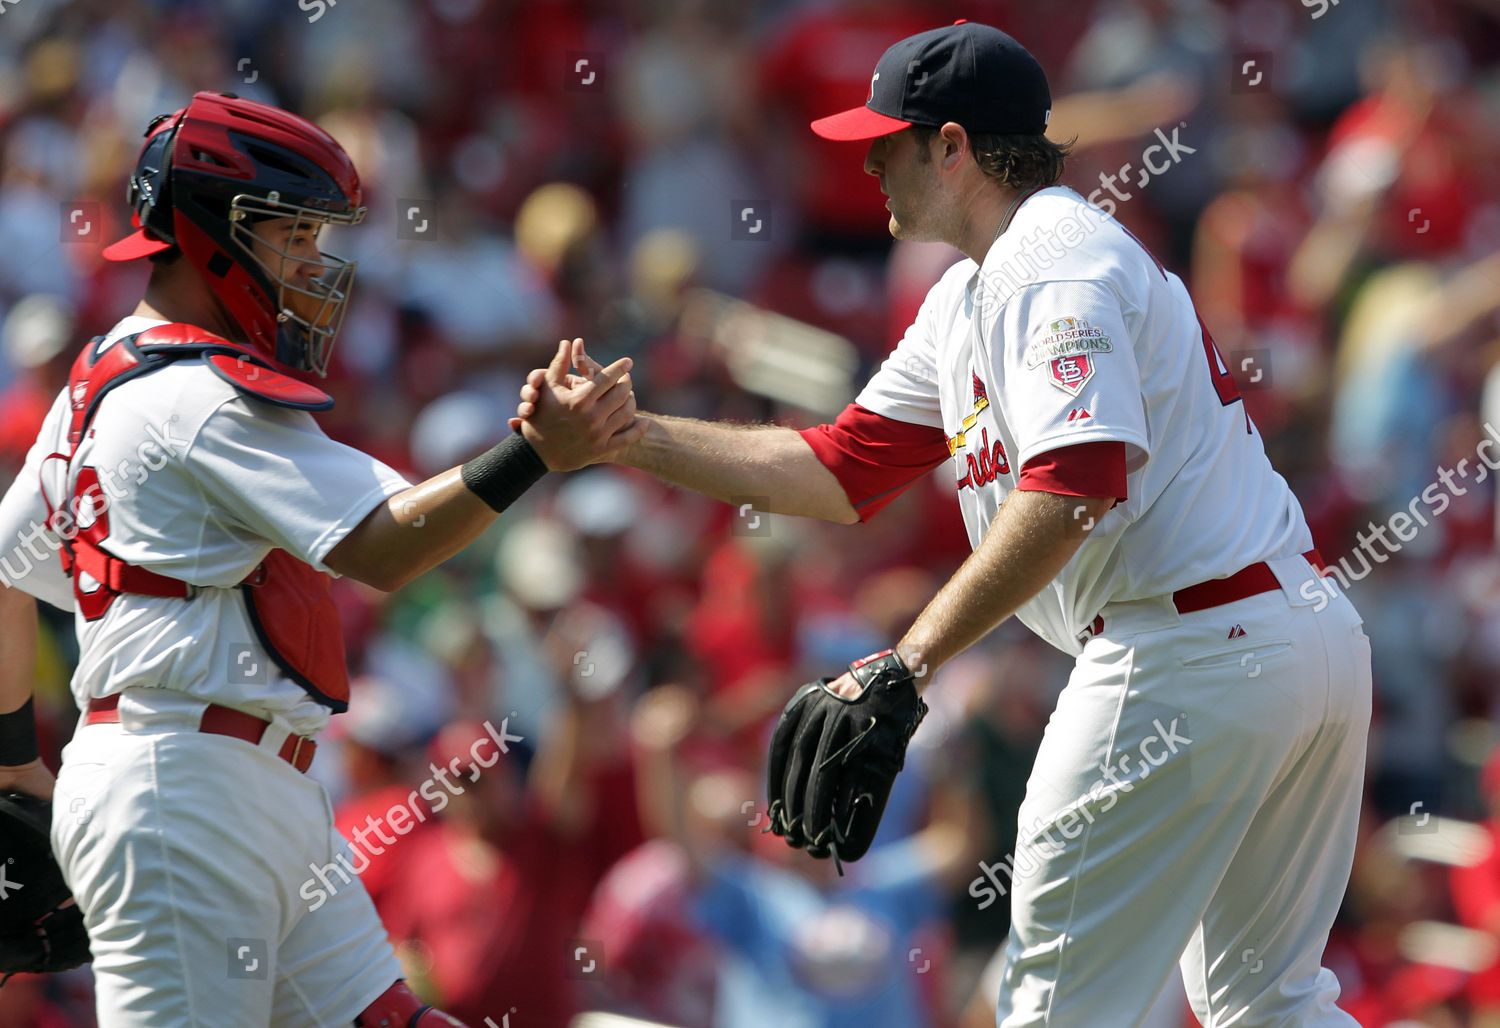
(1067, 337)
(1071, 374)
(1079, 414)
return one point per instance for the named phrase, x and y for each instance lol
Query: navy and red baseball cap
(966, 72)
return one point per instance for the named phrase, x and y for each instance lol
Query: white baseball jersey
(202, 484)
(1071, 332)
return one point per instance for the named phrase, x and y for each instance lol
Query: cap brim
(133, 247)
(858, 123)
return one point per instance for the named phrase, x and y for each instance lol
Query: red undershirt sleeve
(1084, 469)
(875, 458)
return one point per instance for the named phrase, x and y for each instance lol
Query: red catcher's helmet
(212, 170)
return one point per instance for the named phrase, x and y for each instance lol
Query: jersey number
(1222, 379)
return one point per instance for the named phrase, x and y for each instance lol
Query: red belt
(297, 750)
(1250, 581)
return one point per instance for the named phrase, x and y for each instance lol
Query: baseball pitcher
(1196, 794)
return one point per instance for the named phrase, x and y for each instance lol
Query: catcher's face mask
(208, 176)
(311, 287)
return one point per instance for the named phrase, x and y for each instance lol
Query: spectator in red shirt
(659, 964)
(386, 722)
(25, 1003)
(822, 56)
(486, 907)
(1476, 900)
(38, 341)
(1406, 171)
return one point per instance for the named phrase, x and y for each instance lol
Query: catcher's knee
(398, 1007)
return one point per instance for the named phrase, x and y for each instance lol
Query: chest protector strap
(289, 603)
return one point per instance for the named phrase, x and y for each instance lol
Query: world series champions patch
(1069, 350)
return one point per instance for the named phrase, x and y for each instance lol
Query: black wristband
(500, 475)
(18, 735)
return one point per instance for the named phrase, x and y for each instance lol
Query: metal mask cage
(313, 312)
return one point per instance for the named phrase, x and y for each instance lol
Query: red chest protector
(289, 603)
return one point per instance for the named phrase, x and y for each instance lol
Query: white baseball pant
(1195, 799)
(186, 853)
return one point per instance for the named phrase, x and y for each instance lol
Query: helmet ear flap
(149, 191)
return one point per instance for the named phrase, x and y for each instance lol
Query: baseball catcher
(184, 504)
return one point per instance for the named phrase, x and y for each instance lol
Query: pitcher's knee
(1282, 1002)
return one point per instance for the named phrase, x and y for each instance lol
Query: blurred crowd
(581, 167)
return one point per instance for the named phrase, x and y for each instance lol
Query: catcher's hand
(41, 928)
(833, 759)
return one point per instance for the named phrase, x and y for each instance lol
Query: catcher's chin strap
(399, 1007)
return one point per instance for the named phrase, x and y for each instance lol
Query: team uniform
(1197, 789)
(186, 851)
(182, 502)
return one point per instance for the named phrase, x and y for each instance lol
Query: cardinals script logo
(987, 460)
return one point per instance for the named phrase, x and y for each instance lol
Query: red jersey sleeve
(875, 458)
(1085, 469)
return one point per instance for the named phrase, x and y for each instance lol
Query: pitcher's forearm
(764, 464)
(1026, 546)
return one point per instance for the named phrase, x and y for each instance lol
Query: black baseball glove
(834, 760)
(41, 928)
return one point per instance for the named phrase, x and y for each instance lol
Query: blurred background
(640, 173)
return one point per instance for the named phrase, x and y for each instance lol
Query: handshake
(576, 412)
